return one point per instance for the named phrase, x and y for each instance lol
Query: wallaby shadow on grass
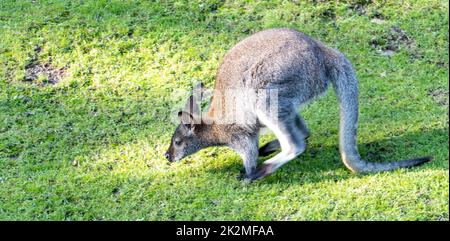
(321, 163)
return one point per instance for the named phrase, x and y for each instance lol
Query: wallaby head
(189, 135)
(184, 142)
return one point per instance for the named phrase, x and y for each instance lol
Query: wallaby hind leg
(290, 137)
(274, 145)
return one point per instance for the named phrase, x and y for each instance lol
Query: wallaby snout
(168, 156)
(172, 154)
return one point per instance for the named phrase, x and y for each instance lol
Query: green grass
(90, 146)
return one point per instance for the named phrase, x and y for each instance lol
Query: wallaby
(299, 68)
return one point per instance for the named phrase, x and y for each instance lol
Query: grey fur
(300, 69)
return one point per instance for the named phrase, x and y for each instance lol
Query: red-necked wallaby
(298, 68)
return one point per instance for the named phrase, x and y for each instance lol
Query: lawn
(88, 92)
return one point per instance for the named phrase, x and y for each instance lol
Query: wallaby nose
(167, 156)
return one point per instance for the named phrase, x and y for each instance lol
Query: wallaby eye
(177, 142)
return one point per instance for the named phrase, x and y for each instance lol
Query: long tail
(346, 87)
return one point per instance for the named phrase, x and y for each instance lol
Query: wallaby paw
(247, 180)
(242, 175)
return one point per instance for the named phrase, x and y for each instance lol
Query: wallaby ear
(192, 107)
(199, 88)
(187, 119)
(199, 91)
(190, 115)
